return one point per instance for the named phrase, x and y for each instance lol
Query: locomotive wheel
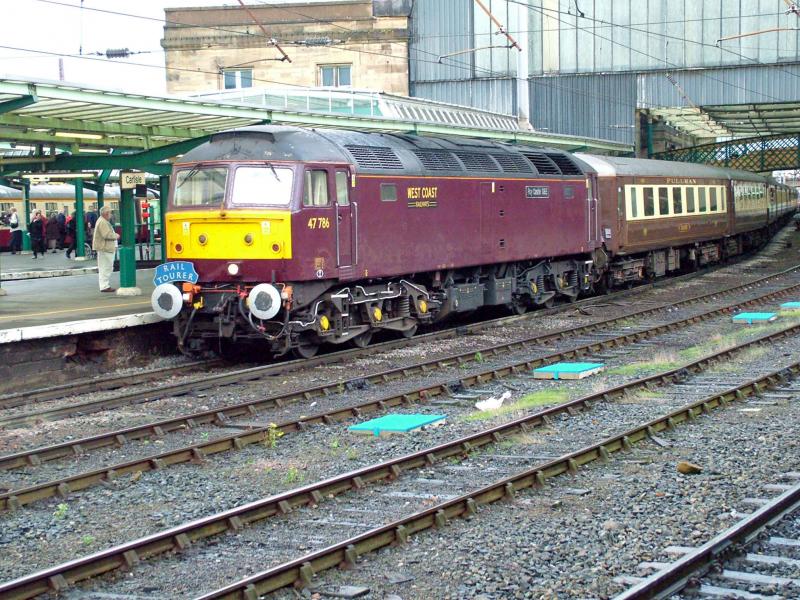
(362, 340)
(305, 350)
(550, 303)
(409, 333)
(518, 307)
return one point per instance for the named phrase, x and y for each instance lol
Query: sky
(62, 28)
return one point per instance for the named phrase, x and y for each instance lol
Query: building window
(334, 75)
(237, 78)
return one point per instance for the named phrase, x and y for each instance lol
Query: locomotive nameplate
(422, 197)
(178, 270)
(537, 191)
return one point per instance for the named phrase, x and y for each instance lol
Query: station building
(657, 74)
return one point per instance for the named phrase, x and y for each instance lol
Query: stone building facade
(361, 44)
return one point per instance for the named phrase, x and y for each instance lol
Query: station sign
(128, 180)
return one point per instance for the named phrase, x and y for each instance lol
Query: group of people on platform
(59, 232)
(53, 233)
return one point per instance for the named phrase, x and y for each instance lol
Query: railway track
(13, 499)
(300, 571)
(97, 385)
(75, 388)
(693, 568)
(256, 373)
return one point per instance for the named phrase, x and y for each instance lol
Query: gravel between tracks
(234, 556)
(46, 533)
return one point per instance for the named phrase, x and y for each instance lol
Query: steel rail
(175, 539)
(676, 576)
(254, 373)
(74, 388)
(83, 387)
(15, 498)
(300, 572)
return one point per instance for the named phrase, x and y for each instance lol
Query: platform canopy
(72, 127)
(734, 120)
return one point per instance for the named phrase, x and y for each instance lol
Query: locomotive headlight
(264, 301)
(233, 269)
(166, 301)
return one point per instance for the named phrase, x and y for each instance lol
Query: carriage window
(701, 197)
(663, 201)
(342, 198)
(569, 192)
(634, 206)
(388, 192)
(316, 188)
(649, 204)
(677, 201)
(689, 200)
(713, 198)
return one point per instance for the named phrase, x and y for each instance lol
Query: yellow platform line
(71, 310)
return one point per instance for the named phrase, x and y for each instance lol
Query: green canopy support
(17, 103)
(26, 218)
(163, 202)
(127, 250)
(80, 227)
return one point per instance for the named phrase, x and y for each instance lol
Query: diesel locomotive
(300, 237)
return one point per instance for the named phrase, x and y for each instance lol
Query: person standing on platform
(104, 242)
(37, 232)
(51, 231)
(71, 237)
(62, 228)
(16, 232)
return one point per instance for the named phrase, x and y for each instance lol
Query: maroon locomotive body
(302, 237)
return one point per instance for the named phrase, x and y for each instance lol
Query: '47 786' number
(319, 223)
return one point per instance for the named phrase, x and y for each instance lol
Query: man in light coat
(104, 242)
(16, 232)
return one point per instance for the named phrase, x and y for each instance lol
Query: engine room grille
(438, 160)
(513, 163)
(374, 157)
(543, 164)
(475, 161)
(565, 164)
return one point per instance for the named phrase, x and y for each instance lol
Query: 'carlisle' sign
(179, 270)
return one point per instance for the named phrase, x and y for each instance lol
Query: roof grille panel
(543, 164)
(438, 160)
(476, 161)
(565, 163)
(512, 163)
(374, 157)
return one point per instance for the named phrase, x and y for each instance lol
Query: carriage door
(344, 226)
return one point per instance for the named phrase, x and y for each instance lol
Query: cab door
(345, 238)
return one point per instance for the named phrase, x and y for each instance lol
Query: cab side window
(315, 192)
(342, 191)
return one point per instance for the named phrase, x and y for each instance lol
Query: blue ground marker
(568, 370)
(790, 305)
(754, 317)
(396, 423)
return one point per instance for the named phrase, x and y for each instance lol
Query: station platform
(51, 306)
(14, 267)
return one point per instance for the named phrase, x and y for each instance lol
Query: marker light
(233, 269)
